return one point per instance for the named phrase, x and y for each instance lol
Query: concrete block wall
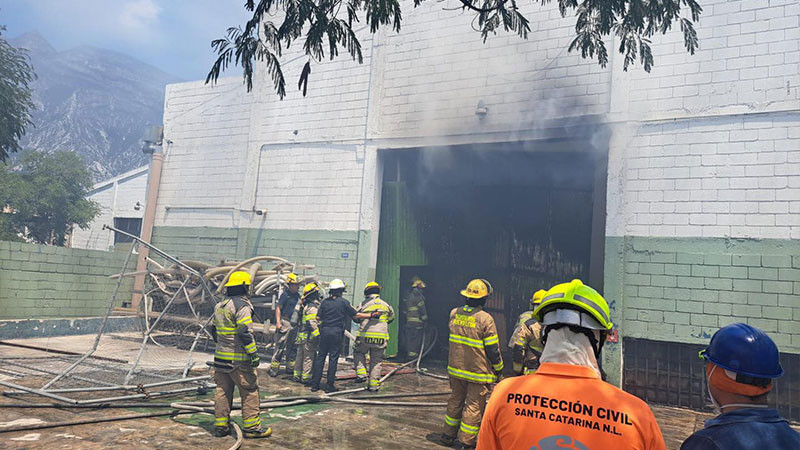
(690, 289)
(748, 61)
(39, 281)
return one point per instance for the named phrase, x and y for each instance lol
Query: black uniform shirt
(335, 312)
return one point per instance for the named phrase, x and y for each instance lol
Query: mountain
(93, 101)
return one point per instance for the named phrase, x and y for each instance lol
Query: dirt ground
(310, 426)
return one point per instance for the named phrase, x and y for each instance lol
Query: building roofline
(129, 174)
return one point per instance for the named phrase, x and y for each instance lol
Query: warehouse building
(676, 193)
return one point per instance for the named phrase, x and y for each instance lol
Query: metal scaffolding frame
(88, 360)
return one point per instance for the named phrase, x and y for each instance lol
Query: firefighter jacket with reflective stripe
(414, 308)
(377, 328)
(233, 322)
(309, 327)
(474, 346)
(566, 406)
(522, 319)
(528, 347)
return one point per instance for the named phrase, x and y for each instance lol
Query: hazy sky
(173, 35)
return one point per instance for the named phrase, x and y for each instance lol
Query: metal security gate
(671, 373)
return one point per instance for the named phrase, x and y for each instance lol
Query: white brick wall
(207, 137)
(734, 176)
(309, 187)
(749, 60)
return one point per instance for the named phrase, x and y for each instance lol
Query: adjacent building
(121, 201)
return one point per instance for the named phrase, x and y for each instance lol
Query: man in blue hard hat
(741, 364)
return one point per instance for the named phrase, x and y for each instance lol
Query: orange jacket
(564, 405)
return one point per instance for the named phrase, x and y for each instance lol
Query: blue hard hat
(744, 349)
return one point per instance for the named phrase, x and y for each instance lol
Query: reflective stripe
(221, 421)
(227, 356)
(413, 308)
(553, 297)
(255, 422)
(373, 334)
(361, 371)
(469, 429)
(490, 340)
(450, 421)
(471, 376)
(374, 383)
(458, 339)
(309, 317)
(250, 348)
(594, 306)
(498, 367)
(245, 320)
(520, 341)
(413, 319)
(315, 333)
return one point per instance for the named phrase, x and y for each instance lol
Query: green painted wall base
(684, 289)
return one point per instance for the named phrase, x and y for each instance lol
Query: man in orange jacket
(565, 404)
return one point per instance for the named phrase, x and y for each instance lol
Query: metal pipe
(102, 324)
(148, 395)
(374, 402)
(124, 387)
(37, 391)
(153, 183)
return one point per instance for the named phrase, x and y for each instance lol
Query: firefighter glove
(255, 360)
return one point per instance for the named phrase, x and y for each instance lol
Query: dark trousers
(330, 345)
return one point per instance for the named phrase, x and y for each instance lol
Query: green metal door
(398, 245)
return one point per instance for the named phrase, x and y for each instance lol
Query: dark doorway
(521, 219)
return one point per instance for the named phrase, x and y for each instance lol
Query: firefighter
(284, 345)
(528, 343)
(236, 359)
(373, 335)
(416, 315)
(474, 364)
(741, 364)
(334, 315)
(308, 335)
(566, 403)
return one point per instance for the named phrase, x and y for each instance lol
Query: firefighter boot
(222, 431)
(257, 433)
